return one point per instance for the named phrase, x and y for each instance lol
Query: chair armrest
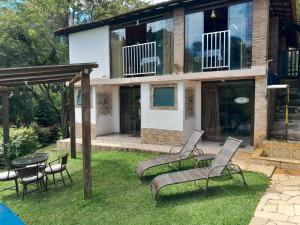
(56, 160)
(171, 149)
(213, 169)
(198, 151)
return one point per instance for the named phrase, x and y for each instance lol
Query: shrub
(23, 141)
(46, 135)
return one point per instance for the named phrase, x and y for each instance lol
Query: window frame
(152, 91)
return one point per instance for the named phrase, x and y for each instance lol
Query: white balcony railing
(216, 50)
(140, 59)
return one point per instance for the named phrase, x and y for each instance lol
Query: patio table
(30, 160)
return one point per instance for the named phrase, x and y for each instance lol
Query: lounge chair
(221, 163)
(188, 149)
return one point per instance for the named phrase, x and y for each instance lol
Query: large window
(194, 26)
(228, 110)
(161, 32)
(240, 25)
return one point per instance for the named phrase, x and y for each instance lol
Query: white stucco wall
(161, 119)
(106, 124)
(78, 114)
(193, 123)
(91, 46)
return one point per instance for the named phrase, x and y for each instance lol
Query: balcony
(216, 50)
(140, 60)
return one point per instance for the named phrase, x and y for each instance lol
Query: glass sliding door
(228, 110)
(117, 41)
(240, 25)
(194, 28)
(161, 32)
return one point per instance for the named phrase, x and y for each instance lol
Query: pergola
(72, 73)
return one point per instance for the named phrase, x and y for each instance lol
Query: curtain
(211, 117)
(117, 41)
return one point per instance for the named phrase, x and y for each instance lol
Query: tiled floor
(281, 203)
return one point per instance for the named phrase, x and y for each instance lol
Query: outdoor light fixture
(26, 82)
(137, 22)
(213, 14)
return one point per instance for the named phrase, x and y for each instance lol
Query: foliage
(46, 135)
(27, 39)
(123, 199)
(23, 141)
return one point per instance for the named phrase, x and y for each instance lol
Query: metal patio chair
(188, 150)
(221, 166)
(58, 165)
(29, 176)
(7, 176)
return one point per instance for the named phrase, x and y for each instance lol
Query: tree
(26, 39)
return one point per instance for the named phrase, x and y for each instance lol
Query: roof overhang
(139, 14)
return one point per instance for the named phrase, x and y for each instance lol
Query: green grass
(120, 198)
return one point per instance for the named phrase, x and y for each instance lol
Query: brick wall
(78, 130)
(161, 136)
(260, 111)
(178, 40)
(260, 32)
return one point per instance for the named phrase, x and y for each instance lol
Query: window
(164, 97)
(79, 98)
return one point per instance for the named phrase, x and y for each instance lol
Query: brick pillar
(260, 111)
(178, 40)
(273, 43)
(260, 32)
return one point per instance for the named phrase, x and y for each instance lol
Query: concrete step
(281, 135)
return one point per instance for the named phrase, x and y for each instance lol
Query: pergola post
(5, 121)
(86, 133)
(72, 122)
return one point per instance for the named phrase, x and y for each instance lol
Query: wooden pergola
(72, 73)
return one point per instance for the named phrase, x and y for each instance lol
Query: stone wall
(260, 32)
(78, 130)
(178, 40)
(161, 136)
(260, 111)
(285, 150)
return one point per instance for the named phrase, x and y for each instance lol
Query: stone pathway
(281, 203)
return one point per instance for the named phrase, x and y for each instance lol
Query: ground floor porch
(166, 113)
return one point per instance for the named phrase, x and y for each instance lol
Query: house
(177, 66)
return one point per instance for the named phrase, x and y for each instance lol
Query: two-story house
(177, 66)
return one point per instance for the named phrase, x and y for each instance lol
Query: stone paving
(281, 203)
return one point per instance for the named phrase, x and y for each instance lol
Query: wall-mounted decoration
(104, 102)
(189, 103)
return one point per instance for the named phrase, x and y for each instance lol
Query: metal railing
(216, 50)
(140, 59)
(289, 64)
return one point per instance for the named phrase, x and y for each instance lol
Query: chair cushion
(55, 168)
(8, 175)
(32, 179)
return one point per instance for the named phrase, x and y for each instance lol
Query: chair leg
(62, 178)
(53, 178)
(45, 184)
(69, 176)
(243, 178)
(24, 191)
(206, 186)
(17, 186)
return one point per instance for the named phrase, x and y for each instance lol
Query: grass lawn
(120, 198)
